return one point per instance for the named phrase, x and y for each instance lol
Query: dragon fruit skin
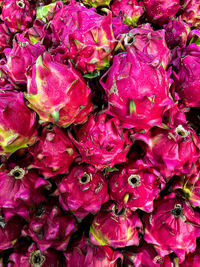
(83, 191)
(192, 259)
(85, 36)
(33, 257)
(52, 229)
(20, 57)
(5, 37)
(187, 79)
(149, 42)
(53, 153)
(191, 12)
(85, 255)
(52, 92)
(176, 32)
(159, 11)
(172, 227)
(102, 142)
(172, 151)
(96, 3)
(131, 10)
(135, 185)
(114, 227)
(133, 82)
(14, 116)
(17, 15)
(20, 190)
(119, 27)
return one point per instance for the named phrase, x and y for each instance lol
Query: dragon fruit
(84, 190)
(130, 11)
(85, 255)
(176, 32)
(149, 42)
(192, 259)
(159, 11)
(53, 153)
(187, 79)
(119, 27)
(5, 37)
(172, 227)
(133, 82)
(34, 257)
(17, 15)
(191, 12)
(20, 189)
(20, 57)
(102, 142)
(52, 92)
(18, 124)
(115, 226)
(97, 3)
(85, 36)
(173, 150)
(52, 229)
(135, 185)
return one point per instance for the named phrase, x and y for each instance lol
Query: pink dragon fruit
(172, 150)
(119, 27)
(54, 152)
(149, 42)
(192, 259)
(20, 191)
(52, 229)
(133, 82)
(20, 57)
(96, 3)
(5, 37)
(135, 185)
(84, 190)
(191, 12)
(9, 232)
(187, 78)
(34, 257)
(159, 11)
(172, 227)
(52, 91)
(102, 142)
(17, 14)
(130, 11)
(83, 36)
(18, 124)
(176, 32)
(115, 227)
(85, 255)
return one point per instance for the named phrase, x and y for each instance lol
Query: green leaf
(111, 169)
(55, 115)
(91, 75)
(132, 107)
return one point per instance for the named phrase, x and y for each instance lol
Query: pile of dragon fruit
(99, 133)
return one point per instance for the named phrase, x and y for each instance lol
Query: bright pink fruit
(191, 12)
(5, 37)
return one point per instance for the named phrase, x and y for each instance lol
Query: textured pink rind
(52, 91)
(191, 12)
(102, 142)
(83, 191)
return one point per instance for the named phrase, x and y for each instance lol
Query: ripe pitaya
(115, 226)
(159, 11)
(119, 27)
(176, 32)
(57, 92)
(17, 14)
(83, 36)
(133, 82)
(20, 190)
(5, 37)
(86, 255)
(18, 123)
(187, 78)
(150, 42)
(191, 12)
(97, 3)
(83, 191)
(20, 57)
(135, 185)
(172, 227)
(130, 11)
(102, 142)
(52, 229)
(54, 152)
